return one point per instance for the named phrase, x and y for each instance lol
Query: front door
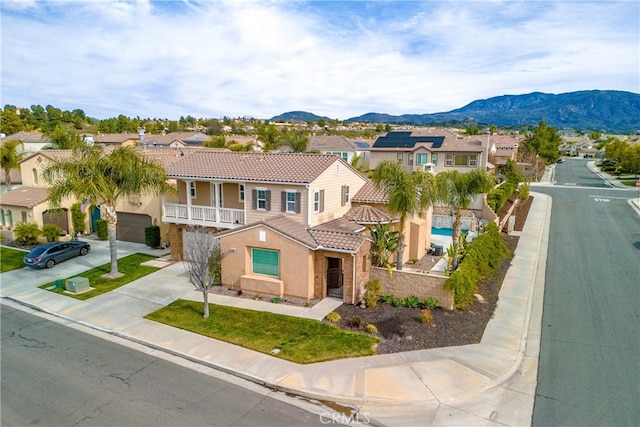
(334, 277)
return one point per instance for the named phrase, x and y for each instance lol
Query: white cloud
(210, 59)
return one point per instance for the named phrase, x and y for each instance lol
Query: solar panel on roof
(404, 139)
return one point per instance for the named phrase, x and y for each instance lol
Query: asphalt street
(589, 369)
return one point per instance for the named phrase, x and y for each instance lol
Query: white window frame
(316, 201)
(192, 189)
(241, 192)
(473, 160)
(263, 200)
(346, 193)
(290, 204)
(421, 158)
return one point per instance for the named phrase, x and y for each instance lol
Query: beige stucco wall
(406, 283)
(296, 261)
(254, 215)
(331, 181)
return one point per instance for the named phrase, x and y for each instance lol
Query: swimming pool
(443, 231)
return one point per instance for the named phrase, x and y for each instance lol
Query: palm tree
(408, 194)
(10, 155)
(359, 163)
(104, 178)
(457, 190)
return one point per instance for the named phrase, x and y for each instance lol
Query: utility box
(77, 285)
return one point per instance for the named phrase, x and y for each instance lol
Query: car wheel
(50, 263)
(84, 251)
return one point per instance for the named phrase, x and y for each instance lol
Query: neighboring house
(33, 141)
(16, 180)
(279, 219)
(503, 147)
(29, 203)
(113, 139)
(338, 145)
(432, 150)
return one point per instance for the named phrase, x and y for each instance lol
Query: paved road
(55, 375)
(589, 369)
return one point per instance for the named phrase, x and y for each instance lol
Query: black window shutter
(268, 201)
(297, 203)
(283, 201)
(254, 199)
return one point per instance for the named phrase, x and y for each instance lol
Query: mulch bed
(400, 328)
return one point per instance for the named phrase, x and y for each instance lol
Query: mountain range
(600, 110)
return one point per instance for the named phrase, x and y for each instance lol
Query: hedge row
(497, 197)
(481, 259)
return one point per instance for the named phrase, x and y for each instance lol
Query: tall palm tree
(105, 178)
(457, 190)
(10, 155)
(408, 194)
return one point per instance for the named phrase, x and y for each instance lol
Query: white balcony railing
(201, 215)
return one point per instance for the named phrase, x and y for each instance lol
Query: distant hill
(603, 110)
(300, 116)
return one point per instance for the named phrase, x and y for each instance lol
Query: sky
(342, 59)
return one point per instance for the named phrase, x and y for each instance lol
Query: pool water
(443, 231)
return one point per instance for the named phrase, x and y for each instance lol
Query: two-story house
(431, 150)
(503, 147)
(279, 218)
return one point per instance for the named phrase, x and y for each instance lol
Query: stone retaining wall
(406, 283)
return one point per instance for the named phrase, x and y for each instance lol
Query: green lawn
(299, 340)
(129, 266)
(629, 182)
(11, 259)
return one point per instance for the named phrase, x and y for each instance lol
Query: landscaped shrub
(483, 257)
(355, 322)
(334, 317)
(371, 328)
(27, 233)
(52, 232)
(372, 292)
(412, 301)
(399, 302)
(523, 192)
(101, 229)
(387, 298)
(77, 218)
(152, 236)
(276, 300)
(497, 197)
(430, 302)
(426, 316)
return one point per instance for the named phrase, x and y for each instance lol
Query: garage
(130, 227)
(57, 217)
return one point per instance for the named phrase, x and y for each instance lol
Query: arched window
(2, 217)
(34, 171)
(10, 219)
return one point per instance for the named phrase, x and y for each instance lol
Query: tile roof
(330, 143)
(16, 176)
(366, 214)
(50, 154)
(300, 168)
(437, 140)
(343, 224)
(27, 137)
(370, 194)
(25, 197)
(337, 240)
(114, 138)
(313, 238)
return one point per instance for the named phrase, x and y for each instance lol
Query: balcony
(207, 216)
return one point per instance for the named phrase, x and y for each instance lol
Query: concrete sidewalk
(490, 383)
